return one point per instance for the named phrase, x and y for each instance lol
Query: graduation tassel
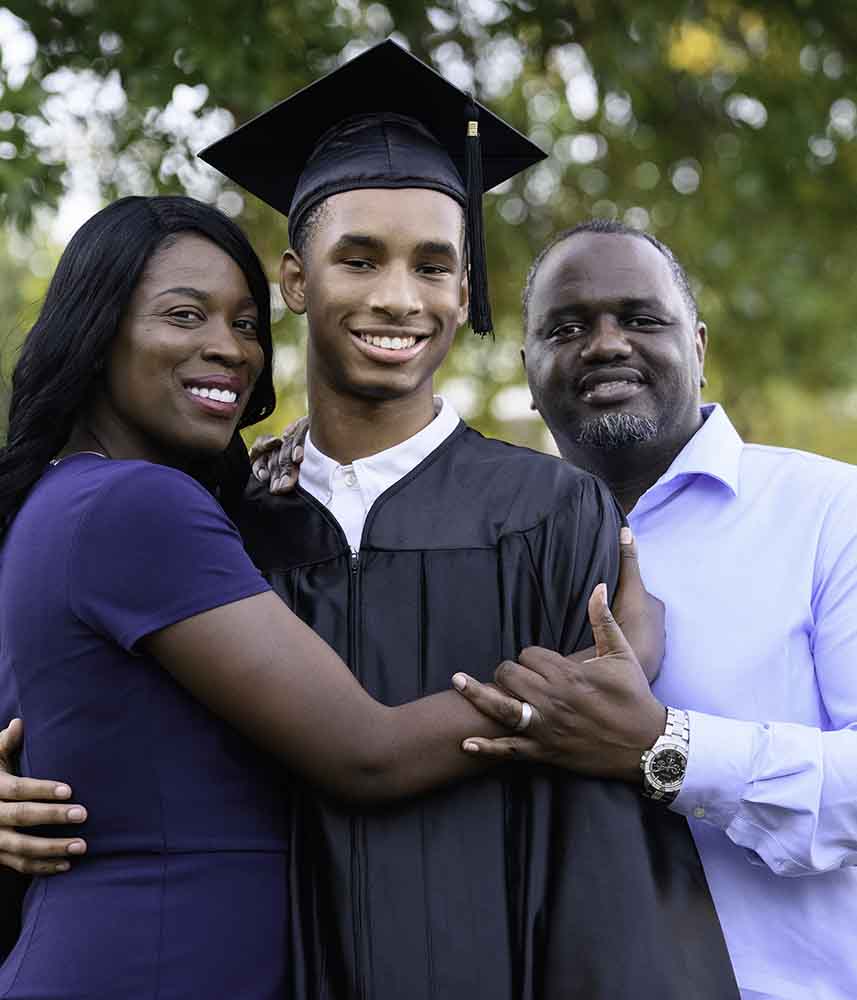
(477, 271)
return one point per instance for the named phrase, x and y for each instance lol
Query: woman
(132, 622)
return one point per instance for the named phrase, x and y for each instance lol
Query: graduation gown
(528, 883)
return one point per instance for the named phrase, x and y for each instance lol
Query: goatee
(616, 430)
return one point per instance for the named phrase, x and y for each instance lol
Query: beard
(616, 430)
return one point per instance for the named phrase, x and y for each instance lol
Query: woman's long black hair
(66, 350)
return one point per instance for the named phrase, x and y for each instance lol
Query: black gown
(528, 883)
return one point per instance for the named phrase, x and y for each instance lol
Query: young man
(417, 548)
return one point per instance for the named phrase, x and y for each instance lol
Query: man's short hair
(307, 228)
(611, 227)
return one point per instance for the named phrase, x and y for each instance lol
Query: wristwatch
(664, 765)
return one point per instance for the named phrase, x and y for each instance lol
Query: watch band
(678, 724)
(676, 737)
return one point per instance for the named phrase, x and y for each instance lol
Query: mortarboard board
(383, 120)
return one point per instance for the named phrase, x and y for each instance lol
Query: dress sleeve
(574, 550)
(151, 549)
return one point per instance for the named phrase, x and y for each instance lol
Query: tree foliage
(725, 127)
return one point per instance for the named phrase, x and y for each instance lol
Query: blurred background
(726, 128)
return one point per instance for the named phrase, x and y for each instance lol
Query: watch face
(667, 767)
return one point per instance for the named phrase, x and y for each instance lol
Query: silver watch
(665, 764)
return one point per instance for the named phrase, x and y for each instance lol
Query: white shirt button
(699, 812)
(350, 480)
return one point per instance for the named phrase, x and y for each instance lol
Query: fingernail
(62, 792)
(626, 536)
(602, 587)
(459, 682)
(78, 847)
(63, 866)
(76, 814)
(470, 747)
(297, 453)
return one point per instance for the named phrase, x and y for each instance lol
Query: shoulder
(803, 475)
(143, 497)
(531, 470)
(519, 488)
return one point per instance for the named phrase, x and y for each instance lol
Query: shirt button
(699, 812)
(351, 480)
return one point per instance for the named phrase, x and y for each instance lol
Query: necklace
(71, 454)
(104, 453)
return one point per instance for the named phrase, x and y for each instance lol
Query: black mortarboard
(383, 120)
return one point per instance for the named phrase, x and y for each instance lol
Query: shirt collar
(377, 473)
(714, 451)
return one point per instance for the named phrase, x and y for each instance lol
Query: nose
(395, 293)
(606, 340)
(225, 345)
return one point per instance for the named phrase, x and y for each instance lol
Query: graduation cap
(383, 120)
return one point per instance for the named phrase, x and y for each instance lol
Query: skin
(609, 331)
(191, 320)
(388, 263)
(306, 707)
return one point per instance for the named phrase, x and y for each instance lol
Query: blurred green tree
(725, 127)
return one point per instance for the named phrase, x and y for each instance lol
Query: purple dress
(183, 893)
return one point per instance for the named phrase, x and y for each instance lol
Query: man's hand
(639, 615)
(26, 802)
(276, 460)
(593, 716)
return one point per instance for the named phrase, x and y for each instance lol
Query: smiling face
(185, 360)
(613, 355)
(382, 286)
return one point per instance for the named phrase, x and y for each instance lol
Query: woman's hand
(591, 715)
(28, 802)
(276, 460)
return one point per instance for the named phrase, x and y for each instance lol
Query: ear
(463, 299)
(701, 342)
(293, 281)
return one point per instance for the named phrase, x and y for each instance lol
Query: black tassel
(477, 270)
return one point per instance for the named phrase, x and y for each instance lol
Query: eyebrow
(357, 240)
(201, 296)
(621, 305)
(438, 248)
(434, 248)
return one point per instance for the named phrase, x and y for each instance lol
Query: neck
(630, 471)
(346, 427)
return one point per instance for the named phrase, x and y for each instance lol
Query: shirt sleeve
(785, 792)
(153, 548)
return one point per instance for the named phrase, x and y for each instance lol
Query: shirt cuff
(719, 767)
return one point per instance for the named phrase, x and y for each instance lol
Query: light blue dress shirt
(754, 552)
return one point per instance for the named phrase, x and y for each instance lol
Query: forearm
(411, 749)
(261, 669)
(785, 792)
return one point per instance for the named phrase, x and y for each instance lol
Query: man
(416, 547)
(754, 552)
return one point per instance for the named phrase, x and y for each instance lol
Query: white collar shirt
(348, 491)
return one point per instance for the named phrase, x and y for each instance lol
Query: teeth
(219, 395)
(390, 343)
